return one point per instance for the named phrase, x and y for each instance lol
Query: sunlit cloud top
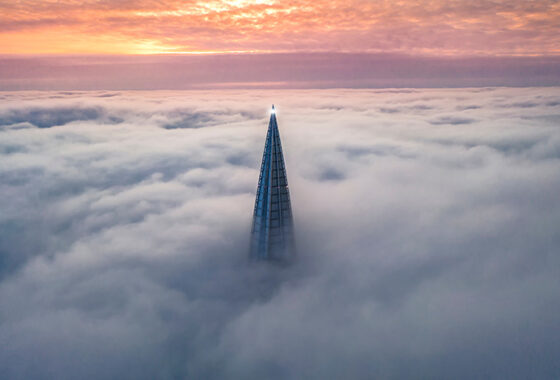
(512, 27)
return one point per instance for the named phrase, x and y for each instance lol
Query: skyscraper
(272, 235)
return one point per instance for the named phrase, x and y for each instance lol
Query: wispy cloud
(435, 27)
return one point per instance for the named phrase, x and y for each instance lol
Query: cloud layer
(427, 229)
(272, 71)
(413, 26)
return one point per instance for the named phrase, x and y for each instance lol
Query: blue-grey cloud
(452, 120)
(51, 117)
(426, 249)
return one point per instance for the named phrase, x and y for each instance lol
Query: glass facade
(272, 232)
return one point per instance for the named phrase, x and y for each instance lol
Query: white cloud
(426, 249)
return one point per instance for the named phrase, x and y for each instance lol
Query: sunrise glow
(208, 27)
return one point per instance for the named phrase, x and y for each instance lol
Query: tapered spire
(272, 233)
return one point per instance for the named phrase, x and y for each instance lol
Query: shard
(272, 235)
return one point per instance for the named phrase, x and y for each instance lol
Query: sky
(437, 27)
(427, 228)
(158, 44)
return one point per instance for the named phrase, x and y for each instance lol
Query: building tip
(273, 110)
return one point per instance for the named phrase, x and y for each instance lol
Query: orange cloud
(170, 26)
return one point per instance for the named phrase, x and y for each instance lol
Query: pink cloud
(426, 27)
